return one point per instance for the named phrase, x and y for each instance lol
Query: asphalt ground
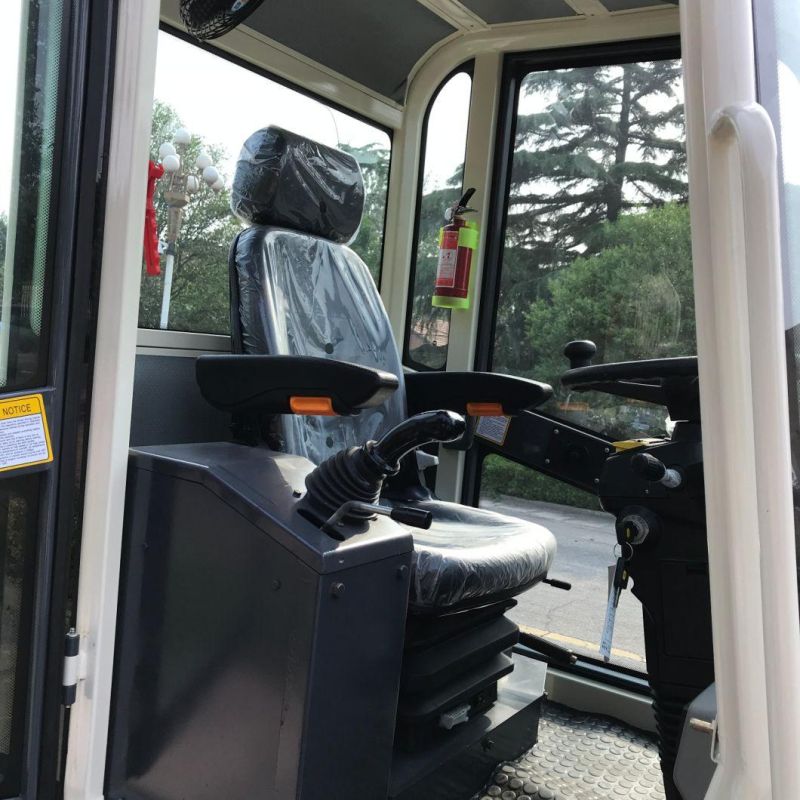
(575, 619)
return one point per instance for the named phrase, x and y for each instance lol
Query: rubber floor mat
(581, 756)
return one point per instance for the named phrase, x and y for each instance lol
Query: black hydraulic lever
(654, 470)
(416, 432)
(552, 651)
(557, 584)
(352, 479)
(413, 517)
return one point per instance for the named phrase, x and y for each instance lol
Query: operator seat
(297, 289)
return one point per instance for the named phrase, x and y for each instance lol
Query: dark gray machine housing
(248, 636)
(258, 657)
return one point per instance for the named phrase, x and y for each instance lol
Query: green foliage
(633, 297)
(597, 246)
(374, 162)
(603, 143)
(503, 477)
(200, 294)
(427, 318)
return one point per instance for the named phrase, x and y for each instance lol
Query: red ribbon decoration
(151, 256)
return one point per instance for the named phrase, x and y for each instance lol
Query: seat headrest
(288, 181)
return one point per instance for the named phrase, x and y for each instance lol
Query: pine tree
(599, 143)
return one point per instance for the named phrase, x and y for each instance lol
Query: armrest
(291, 384)
(474, 393)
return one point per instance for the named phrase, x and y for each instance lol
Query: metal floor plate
(581, 756)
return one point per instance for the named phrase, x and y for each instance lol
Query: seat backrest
(297, 289)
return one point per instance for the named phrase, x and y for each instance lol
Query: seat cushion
(470, 556)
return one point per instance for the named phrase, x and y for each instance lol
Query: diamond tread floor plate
(581, 757)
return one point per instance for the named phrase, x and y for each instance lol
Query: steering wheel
(670, 382)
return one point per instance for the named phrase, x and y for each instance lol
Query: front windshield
(597, 241)
(597, 246)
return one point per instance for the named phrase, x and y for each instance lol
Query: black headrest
(289, 181)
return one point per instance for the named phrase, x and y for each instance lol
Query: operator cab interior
(417, 282)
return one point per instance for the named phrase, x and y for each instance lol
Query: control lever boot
(358, 474)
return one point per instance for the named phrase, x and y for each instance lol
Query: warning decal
(493, 428)
(24, 437)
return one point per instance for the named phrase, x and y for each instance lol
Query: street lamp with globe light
(181, 184)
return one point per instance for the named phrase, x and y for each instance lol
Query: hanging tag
(608, 626)
(618, 580)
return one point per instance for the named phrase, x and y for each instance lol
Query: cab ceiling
(378, 42)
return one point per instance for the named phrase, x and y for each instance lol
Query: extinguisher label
(448, 260)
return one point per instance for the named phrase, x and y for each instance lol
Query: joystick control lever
(348, 485)
(655, 471)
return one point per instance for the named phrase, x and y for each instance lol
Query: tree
(200, 279)
(374, 162)
(633, 298)
(600, 143)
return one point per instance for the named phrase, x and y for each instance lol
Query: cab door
(55, 62)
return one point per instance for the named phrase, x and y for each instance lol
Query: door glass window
(445, 142)
(219, 104)
(29, 58)
(30, 53)
(596, 246)
(19, 502)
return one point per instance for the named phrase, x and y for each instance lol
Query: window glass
(220, 104)
(596, 246)
(585, 533)
(19, 503)
(428, 328)
(30, 85)
(597, 242)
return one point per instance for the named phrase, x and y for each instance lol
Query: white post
(166, 296)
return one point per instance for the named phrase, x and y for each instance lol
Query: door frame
(86, 36)
(136, 34)
(744, 402)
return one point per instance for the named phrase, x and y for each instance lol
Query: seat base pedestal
(460, 764)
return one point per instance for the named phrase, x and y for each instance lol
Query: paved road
(585, 543)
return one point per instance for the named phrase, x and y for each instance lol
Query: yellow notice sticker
(24, 437)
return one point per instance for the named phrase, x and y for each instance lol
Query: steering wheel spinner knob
(580, 353)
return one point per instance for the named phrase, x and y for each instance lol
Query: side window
(205, 108)
(597, 242)
(596, 245)
(27, 142)
(442, 170)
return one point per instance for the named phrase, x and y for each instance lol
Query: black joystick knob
(580, 353)
(648, 467)
(655, 471)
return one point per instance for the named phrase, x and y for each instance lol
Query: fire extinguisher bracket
(468, 236)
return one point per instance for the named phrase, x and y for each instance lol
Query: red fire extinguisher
(458, 240)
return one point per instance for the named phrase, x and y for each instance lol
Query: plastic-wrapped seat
(297, 289)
